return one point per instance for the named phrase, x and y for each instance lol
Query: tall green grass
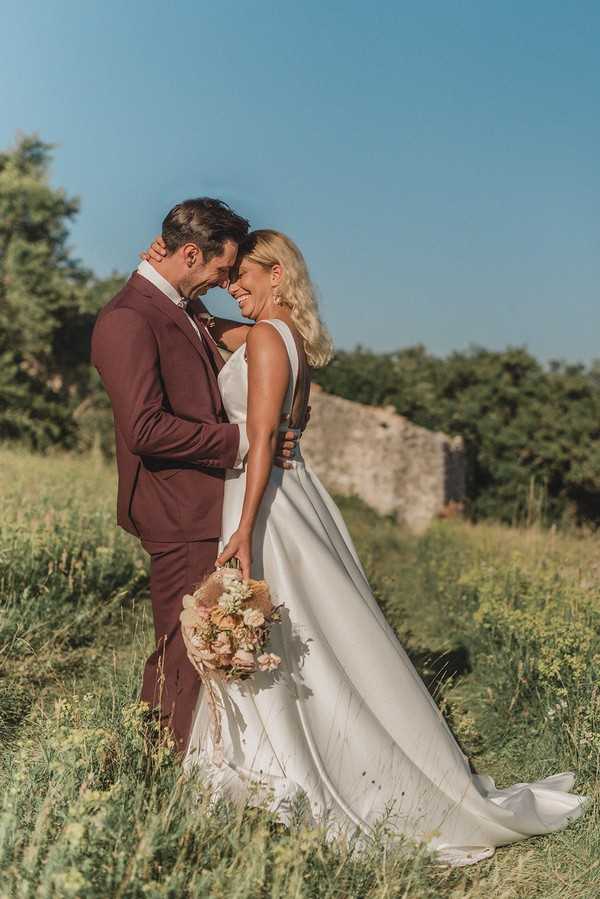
(503, 625)
(66, 573)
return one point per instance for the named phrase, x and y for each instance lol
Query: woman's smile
(242, 301)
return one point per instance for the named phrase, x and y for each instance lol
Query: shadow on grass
(435, 668)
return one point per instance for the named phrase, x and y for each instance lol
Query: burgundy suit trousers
(170, 682)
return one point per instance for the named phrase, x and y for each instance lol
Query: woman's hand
(156, 252)
(240, 546)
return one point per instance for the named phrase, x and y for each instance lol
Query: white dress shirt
(148, 272)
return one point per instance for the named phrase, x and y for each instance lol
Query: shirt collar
(148, 272)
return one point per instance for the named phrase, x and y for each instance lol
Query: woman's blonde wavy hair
(296, 291)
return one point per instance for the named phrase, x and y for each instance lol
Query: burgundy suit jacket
(172, 435)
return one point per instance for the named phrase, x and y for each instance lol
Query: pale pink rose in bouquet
(192, 614)
(268, 661)
(222, 644)
(244, 661)
(254, 618)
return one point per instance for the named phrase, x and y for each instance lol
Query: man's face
(202, 276)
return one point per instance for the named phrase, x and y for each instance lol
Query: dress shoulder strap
(292, 351)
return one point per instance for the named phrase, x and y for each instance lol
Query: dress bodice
(233, 377)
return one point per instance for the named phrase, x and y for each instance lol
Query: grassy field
(504, 625)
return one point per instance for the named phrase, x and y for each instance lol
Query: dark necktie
(209, 344)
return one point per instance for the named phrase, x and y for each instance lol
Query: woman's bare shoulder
(263, 336)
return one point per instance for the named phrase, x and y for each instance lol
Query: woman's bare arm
(228, 333)
(268, 377)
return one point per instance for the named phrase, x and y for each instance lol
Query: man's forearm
(159, 434)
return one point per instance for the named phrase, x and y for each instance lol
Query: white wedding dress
(346, 728)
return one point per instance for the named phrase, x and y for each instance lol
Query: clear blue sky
(437, 162)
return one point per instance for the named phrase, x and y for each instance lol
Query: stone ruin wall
(396, 467)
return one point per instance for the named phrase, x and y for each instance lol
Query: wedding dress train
(346, 726)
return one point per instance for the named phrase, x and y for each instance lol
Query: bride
(345, 727)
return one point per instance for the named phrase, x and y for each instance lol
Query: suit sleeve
(125, 352)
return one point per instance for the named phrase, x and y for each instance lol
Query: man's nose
(224, 283)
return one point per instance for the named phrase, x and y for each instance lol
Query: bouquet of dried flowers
(225, 625)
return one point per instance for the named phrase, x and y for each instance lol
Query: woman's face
(252, 288)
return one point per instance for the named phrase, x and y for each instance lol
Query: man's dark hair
(206, 222)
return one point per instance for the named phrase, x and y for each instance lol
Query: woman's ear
(276, 275)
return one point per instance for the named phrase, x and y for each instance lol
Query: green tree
(47, 303)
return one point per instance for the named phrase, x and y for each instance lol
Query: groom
(159, 365)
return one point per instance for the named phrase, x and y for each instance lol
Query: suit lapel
(161, 302)
(177, 315)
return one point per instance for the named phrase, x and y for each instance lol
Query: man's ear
(276, 275)
(192, 254)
